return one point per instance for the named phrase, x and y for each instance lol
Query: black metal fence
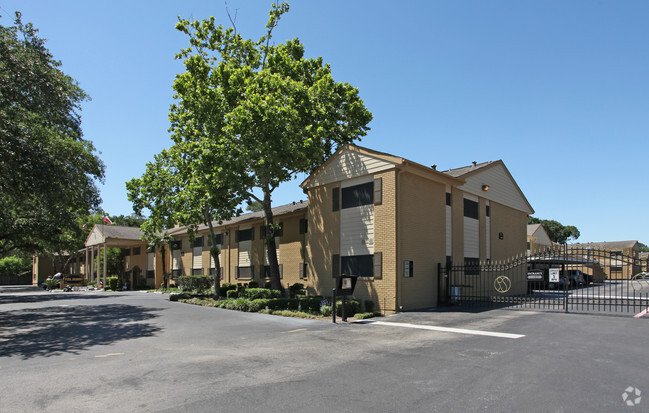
(562, 279)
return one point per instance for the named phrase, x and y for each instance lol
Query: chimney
(475, 163)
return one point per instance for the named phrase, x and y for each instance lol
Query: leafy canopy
(263, 111)
(48, 172)
(557, 232)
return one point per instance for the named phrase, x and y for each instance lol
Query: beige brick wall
(513, 225)
(383, 290)
(322, 239)
(292, 249)
(457, 208)
(421, 238)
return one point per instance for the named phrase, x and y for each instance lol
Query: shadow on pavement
(45, 296)
(51, 331)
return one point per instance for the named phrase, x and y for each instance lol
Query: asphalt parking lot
(132, 351)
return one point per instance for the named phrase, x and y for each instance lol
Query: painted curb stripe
(445, 329)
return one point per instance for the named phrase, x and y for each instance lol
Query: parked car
(575, 278)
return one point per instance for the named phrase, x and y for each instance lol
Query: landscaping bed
(250, 298)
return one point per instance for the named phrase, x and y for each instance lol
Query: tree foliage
(183, 187)
(48, 172)
(262, 110)
(557, 232)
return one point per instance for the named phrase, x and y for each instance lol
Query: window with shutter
(378, 183)
(335, 195)
(378, 265)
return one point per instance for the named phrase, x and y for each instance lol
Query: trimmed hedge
(256, 293)
(112, 283)
(351, 307)
(198, 283)
(225, 287)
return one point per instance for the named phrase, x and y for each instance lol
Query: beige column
(92, 263)
(105, 263)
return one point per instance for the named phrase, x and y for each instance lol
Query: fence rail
(563, 279)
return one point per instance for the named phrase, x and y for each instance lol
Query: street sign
(535, 275)
(554, 275)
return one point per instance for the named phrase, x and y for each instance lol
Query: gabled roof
(501, 186)
(112, 235)
(462, 171)
(351, 161)
(277, 212)
(532, 228)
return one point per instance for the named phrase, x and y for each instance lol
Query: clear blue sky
(559, 90)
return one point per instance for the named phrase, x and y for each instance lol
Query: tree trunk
(164, 270)
(271, 248)
(214, 251)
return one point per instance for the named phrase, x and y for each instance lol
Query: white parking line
(444, 329)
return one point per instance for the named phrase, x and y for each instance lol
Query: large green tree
(557, 232)
(48, 172)
(182, 186)
(264, 111)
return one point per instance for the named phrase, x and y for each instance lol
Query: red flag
(107, 220)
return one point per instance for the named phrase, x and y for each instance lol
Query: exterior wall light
(485, 187)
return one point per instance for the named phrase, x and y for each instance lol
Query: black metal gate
(566, 279)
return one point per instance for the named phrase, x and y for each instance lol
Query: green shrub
(258, 305)
(53, 283)
(232, 294)
(309, 304)
(253, 284)
(351, 307)
(241, 304)
(325, 310)
(225, 287)
(255, 293)
(198, 283)
(179, 296)
(112, 283)
(363, 316)
(369, 306)
(296, 290)
(15, 266)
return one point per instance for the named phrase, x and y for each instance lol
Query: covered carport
(100, 239)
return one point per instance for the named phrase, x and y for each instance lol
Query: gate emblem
(640, 283)
(502, 284)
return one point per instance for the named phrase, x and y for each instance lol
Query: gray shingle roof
(458, 172)
(116, 231)
(277, 211)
